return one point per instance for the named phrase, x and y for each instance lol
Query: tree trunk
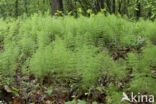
(38, 5)
(119, 8)
(16, 8)
(98, 5)
(108, 5)
(25, 5)
(125, 7)
(56, 5)
(102, 4)
(138, 11)
(114, 6)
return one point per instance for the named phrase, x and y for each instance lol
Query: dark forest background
(131, 8)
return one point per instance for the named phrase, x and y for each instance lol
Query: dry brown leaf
(48, 102)
(7, 89)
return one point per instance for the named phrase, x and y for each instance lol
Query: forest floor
(27, 89)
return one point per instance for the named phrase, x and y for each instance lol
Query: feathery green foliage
(143, 64)
(81, 48)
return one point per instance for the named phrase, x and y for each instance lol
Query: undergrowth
(81, 49)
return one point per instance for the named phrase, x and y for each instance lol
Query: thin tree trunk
(113, 6)
(108, 5)
(16, 8)
(125, 6)
(25, 5)
(98, 5)
(128, 2)
(102, 4)
(138, 11)
(56, 5)
(119, 3)
(38, 3)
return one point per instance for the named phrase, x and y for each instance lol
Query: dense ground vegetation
(88, 51)
(96, 58)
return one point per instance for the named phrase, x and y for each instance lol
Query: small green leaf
(50, 91)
